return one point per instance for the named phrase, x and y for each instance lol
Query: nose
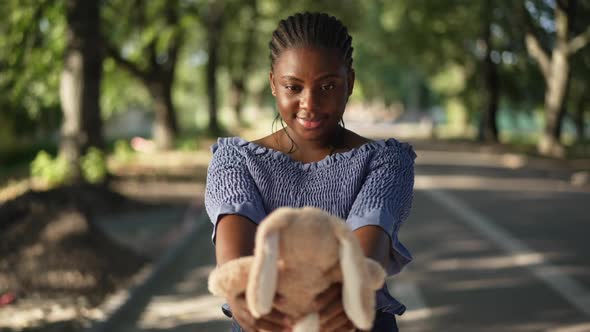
(309, 100)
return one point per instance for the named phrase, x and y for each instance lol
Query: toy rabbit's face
(314, 240)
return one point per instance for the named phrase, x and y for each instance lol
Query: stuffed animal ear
(262, 281)
(358, 305)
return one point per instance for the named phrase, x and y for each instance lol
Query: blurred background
(108, 110)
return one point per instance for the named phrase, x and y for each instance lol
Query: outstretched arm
(234, 238)
(375, 243)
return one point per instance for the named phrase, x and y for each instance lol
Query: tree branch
(536, 51)
(579, 42)
(533, 45)
(152, 57)
(128, 65)
(176, 41)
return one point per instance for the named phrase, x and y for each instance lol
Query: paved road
(497, 247)
(175, 297)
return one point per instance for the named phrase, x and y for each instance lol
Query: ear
(262, 281)
(359, 307)
(273, 89)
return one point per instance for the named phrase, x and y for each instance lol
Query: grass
(15, 161)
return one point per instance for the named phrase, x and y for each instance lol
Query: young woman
(312, 161)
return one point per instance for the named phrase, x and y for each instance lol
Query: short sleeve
(385, 198)
(230, 188)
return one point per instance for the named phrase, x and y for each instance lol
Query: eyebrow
(293, 78)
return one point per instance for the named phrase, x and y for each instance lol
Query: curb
(144, 286)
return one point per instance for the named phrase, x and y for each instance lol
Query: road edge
(194, 219)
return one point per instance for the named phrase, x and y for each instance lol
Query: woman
(312, 161)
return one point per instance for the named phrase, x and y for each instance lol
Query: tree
(488, 127)
(215, 23)
(428, 40)
(147, 45)
(31, 51)
(80, 83)
(552, 54)
(238, 53)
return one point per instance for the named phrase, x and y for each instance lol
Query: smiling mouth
(309, 123)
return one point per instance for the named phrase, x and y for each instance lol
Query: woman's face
(311, 86)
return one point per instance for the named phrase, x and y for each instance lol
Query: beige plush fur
(299, 253)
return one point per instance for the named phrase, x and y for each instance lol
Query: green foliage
(31, 48)
(93, 165)
(402, 49)
(122, 151)
(188, 145)
(54, 171)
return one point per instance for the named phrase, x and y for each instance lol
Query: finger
(277, 317)
(337, 323)
(246, 322)
(264, 324)
(331, 310)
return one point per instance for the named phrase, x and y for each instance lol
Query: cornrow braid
(311, 29)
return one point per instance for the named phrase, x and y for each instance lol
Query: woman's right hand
(274, 321)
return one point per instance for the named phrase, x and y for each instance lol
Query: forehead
(309, 61)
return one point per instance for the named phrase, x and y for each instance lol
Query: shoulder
(235, 146)
(231, 151)
(353, 140)
(236, 151)
(380, 147)
(270, 142)
(391, 153)
(227, 144)
(386, 147)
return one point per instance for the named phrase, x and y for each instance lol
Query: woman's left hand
(331, 311)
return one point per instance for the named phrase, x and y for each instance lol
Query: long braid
(311, 29)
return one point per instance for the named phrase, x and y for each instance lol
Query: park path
(174, 296)
(497, 247)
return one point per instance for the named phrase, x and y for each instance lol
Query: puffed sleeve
(230, 188)
(385, 198)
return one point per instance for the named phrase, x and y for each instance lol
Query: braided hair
(311, 29)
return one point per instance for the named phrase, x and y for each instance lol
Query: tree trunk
(158, 75)
(80, 83)
(238, 87)
(214, 26)
(237, 99)
(488, 128)
(165, 124)
(557, 88)
(579, 119)
(555, 98)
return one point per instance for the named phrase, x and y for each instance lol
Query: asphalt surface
(497, 245)
(496, 248)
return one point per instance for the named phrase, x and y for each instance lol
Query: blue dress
(369, 185)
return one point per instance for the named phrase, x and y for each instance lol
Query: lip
(309, 123)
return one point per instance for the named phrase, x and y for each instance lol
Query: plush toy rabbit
(299, 253)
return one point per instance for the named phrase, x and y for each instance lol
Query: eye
(327, 87)
(293, 88)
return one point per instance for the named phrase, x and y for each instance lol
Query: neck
(326, 145)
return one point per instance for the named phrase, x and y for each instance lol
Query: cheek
(286, 104)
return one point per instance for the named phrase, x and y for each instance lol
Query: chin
(313, 135)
